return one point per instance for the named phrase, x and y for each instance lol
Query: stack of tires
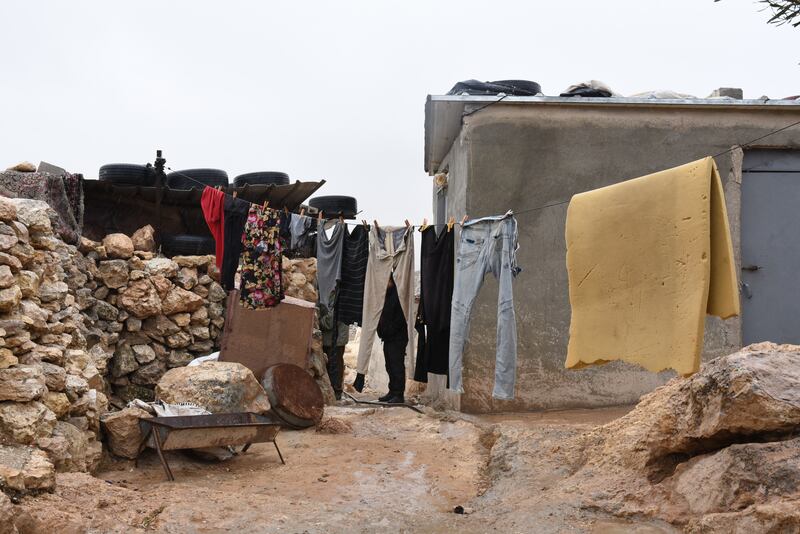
(128, 174)
(335, 205)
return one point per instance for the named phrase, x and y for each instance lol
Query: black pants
(394, 353)
(236, 211)
(335, 368)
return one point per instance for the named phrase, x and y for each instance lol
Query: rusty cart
(215, 430)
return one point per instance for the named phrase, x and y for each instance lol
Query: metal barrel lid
(294, 395)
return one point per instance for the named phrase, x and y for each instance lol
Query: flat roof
(443, 113)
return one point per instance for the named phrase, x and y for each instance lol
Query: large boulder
(25, 468)
(219, 387)
(751, 395)
(140, 299)
(125, 438)
(144, 239)
(118, 246)
(34, 214)
(22, 383)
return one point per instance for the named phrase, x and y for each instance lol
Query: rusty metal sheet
(293, 395)
(259, 339)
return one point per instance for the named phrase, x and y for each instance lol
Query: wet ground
(386, 470)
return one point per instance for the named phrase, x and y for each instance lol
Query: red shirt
(213, 204)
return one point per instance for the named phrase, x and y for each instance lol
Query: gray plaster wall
(521, 157)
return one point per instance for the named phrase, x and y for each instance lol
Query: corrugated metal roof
(279, 196)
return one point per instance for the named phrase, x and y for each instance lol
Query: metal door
(771, 246)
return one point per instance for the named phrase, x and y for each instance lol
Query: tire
(519, 87)
(509, 87)
(187, 245)
(127, 174)
(261, 178)
(335, 204)
(197, 178)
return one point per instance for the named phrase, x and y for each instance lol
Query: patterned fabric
(64, 193)
(261, 285)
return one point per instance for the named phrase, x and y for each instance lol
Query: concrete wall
(521, 157)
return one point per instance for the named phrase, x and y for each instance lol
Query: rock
(38, 316)
(214, 273)
(734, 398)
(148, 375)
(140, 299)
(58, 403)
(102, 292)
(22, 383)
(118, 246)
(75, 387)
(187, 278)
(105, 311)
(162, 284)
(82, 423)
(8, 211)
(25, 469)
(201, 291)
(160, 325)
(25, 254)
(114, 274)
(216, 293)
(201, 347)
(85, 245)
(179, 340)
(196, 262)
(7, 359)
(132, 324)
(162, 266)
(125, 438)
(219, 387)
(28, 282)
(50, 354)
(144, 239)
(178, 358)
(200, 317)
(205, 280)
(94, 453)
(8, 237)
(75, 460)
(12, 261)
(178, 300)
(200, 332)
(33, 213)
(55, 377)
(131, 391)
(772, 518)
(182, 319)
(53, 292)
(739, 476)
(7, 278)
(10, 298)
(124, 361)
(7, 513)
(143, 353)
(100, 356)
(25, 422)
(215, 310)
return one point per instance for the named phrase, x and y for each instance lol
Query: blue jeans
(486, 245)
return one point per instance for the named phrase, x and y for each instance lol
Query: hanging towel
(647, 259)
(213, 204)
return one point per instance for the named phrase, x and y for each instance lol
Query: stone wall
(152, 313)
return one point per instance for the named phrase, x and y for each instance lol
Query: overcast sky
(336, 90)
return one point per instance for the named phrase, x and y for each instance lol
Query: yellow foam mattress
(647, 259)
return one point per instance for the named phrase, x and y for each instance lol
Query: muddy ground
(370, 470)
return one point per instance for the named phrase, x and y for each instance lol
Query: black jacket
(392, 325)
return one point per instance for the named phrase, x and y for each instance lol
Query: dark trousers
(394, 353)
(335, 367)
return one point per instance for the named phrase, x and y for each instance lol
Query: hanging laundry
(236, 211)
(391, 253)
(333, 344)
(486, 245)
(302, 240)
(647, 259)
(350, 301)
(436, 296)
(329, 271)
(213, 203)
(393, 331)
(261, 285)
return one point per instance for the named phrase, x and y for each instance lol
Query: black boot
(386, 397)
(397, 398)
(358, 385)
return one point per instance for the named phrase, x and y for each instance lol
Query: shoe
(396, 399)
(358, 385)
(386, 397)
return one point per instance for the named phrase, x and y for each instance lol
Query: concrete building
(529, 152)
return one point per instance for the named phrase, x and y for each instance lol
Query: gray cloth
(329, 271)
(391, 252)
(486, 245)
(300, 230)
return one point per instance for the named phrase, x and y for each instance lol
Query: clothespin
(266, 205)
(408, 224)
(319, 216)
(450, 223)
(302, 212)
(376, 223)
(424, 225)
(364, 222)
(235, 194)
(464, 220)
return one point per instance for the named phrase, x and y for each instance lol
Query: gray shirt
(329, 270)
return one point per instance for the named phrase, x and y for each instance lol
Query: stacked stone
(152, 313)
(52, 390)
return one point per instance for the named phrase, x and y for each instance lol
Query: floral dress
(261, 285)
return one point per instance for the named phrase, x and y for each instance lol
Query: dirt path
(395, 471)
